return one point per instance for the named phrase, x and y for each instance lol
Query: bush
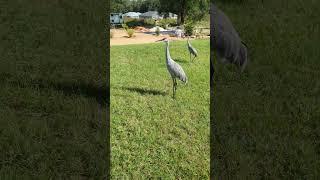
(198, 35)
(188, 29)
(133, 22)
(149, 22)
(158, 31)
(111, 34)
(130, 32)
(130, 22)
(125, 26)
(164, 23)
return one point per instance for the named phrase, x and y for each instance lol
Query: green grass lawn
(153, 135)
(268, 118)
(53, 92)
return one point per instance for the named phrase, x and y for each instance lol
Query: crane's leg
(193, 58)
(190, 56)
(173, 87)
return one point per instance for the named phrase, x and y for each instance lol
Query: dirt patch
(120, 37)
(141, 29)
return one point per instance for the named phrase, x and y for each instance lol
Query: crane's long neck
(168, 57)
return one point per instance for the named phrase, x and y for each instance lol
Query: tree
(192, 10)
(134, 5)
(149, 5)
(118, 6)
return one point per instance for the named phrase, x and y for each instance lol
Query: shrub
(198, 35)
(130, 32)
(188, 29)
(172, 22)
(158, 31)
(125, 26)
(149, 22)
(111, 34)
(133, 22)
(164, 23)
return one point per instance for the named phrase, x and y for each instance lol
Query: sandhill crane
(226, 41)
(192, 50)
(174, 68)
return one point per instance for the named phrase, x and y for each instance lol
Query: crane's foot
(174, 93)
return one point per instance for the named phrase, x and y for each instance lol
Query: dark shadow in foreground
(100, 93)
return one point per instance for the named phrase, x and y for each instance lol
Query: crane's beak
(244, 44)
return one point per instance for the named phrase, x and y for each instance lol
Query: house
(151, 15)
(172, 16)
(134, 15)
(169, 15)
(116, 18)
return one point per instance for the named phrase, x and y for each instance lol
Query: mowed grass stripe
(153, 135)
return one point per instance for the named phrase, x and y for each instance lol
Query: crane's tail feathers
(186, 80)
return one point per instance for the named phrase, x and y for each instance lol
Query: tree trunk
(179, 18)
(182, 18)
(182, 11)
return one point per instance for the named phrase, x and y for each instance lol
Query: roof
(132, 14)
(150, 13)
(172, 14)
(169, 14)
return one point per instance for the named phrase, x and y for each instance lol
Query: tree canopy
(191, 10)
(134, 5)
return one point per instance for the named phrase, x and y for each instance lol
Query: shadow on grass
(143, 91)
(179, 60)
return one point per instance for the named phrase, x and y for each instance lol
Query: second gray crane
(192, 50)
(174, 68)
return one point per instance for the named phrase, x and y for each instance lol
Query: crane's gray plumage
(192, 50)
(174, 68)
(226, 41)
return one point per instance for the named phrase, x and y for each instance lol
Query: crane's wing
(227, 45)
(179, 72)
